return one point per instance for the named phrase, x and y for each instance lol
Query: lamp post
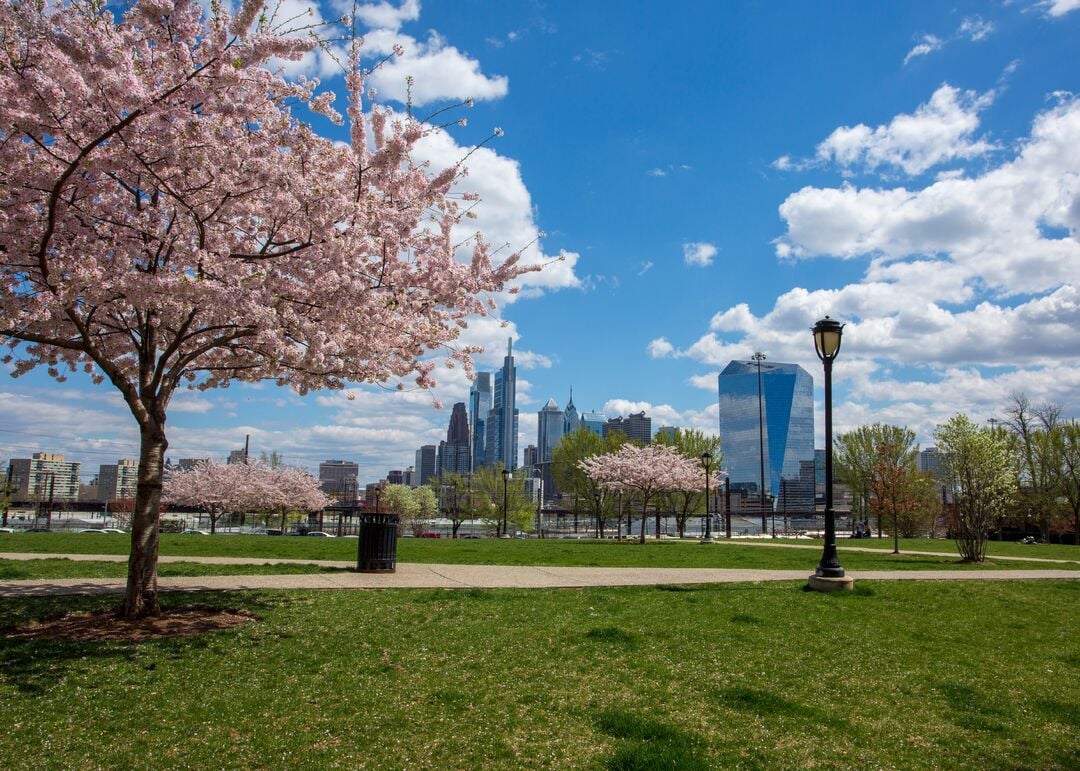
(827, 334)
(506, 478)
(706, 461)
(727, 505)
(760, 357)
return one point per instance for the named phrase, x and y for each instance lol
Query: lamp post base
(707, 539)
(825, 584)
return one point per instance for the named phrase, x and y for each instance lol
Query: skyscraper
(502, 428)
(786, 430)
(479, 407)
(571, 421)
(550, 425)
(594, 421)
(637, 426)
(454, 455)
(425, 464)
(339, 478)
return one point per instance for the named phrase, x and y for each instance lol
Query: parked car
(321, 534)
(430, 534)
(90, 530)
(37, 530)
(190, 531)
(273, 531)
(7, 530)
(113, 530)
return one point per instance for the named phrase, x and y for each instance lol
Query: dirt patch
(106, 626)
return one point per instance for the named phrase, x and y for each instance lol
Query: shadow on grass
(647, 743)
(972, 710)
(33, 666)
(769, 704)
(612, 635)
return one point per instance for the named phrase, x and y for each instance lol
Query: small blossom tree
(642, 472)
(166, 221)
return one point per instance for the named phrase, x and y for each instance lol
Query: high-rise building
(410, 476)
(571, 421)
(42, 477)
(550, 426)
(594, 421)
(479, 408)
(930, 461)
(236, 456)
(779, 419)
(530, 457)
(637, 426)
(455, 455)
(426, 464)
(502, 429)
(118, 480)
(395, 477)
(667, 431)
(333, 475)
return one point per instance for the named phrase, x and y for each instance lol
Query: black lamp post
(506, 478)
(827, 334)
(760, 357)
(706, 460)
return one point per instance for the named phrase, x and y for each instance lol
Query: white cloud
(660, 348)
(384, 15)
(505, 213)
(439, 71)
(645, 267)
(975, 28)
(656, 173)
(706, 382)
(938, 131)
(661, 414)
(699, 253)
(928, 44)
(1058, 8)
(991, 226)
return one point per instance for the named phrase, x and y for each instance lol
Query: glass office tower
(786, 431)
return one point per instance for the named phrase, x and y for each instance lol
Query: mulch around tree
(107, 626)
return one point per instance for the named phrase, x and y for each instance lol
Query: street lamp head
(827, 334)
(506, 474)
(759, 357)
(706, 457)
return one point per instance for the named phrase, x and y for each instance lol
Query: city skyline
(909, 170)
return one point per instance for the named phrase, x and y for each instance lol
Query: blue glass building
(787, 431)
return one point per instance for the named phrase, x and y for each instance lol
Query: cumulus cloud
(439, 71)
(384, 15)
(973, 29)
(660, 347)
(699, 254)
(939, 131)
(505, 213)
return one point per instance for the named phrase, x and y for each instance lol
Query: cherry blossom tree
(243, 487)
(166, 221)
(643, 472)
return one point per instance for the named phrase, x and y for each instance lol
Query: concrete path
(429, 576)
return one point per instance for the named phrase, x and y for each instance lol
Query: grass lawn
(15, 570)
(492, 551)
(894, 674)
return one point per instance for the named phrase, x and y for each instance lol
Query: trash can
(377, 549)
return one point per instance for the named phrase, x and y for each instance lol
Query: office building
(636, 426)
(594, 421)
(117, 480)
(502, 423)
(410, 476)
(455, 454)
(550, 425)
(530, 457)
(930, 461)
(237, 456)
(773, 413)
(339, 478)
(479, 408)
(426, 464)
(44, 476)
(395, 477)
(571, 419)
(668, 432)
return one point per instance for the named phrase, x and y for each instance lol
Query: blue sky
(716, 176)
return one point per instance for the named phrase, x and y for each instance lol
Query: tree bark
(140, 596)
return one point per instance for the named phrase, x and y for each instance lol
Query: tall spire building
(502, 423)
(571, 420)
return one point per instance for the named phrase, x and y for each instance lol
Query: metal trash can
(377, 550)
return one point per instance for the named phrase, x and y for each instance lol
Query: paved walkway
(430, 576)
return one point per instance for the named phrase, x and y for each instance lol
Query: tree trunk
(140, 596)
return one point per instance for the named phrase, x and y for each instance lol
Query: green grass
(894, 674)
(508, 552)
(16, 570)
(993, 548)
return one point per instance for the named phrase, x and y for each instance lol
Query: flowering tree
(642, 472)
(243, 487)
(166, 221)
(980, 472)
(688, 497)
